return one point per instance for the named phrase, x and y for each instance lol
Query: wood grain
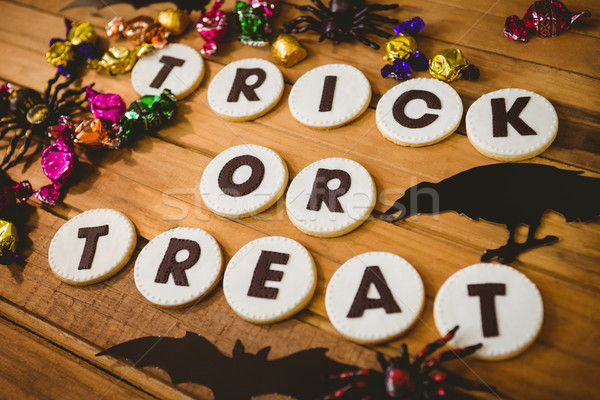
(155, 182)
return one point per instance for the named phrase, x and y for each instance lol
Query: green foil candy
(147, 114)
(252, 25)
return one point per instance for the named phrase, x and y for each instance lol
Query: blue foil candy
(409, 26)
(400, 69)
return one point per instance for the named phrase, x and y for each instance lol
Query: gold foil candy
(60, 53)
(81, 32)
(400, 46)
(447, 65)
(174, 20)
(288, 50)
(116, 60)
(8, 239)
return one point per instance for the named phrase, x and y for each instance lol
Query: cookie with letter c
(270, 279)
(243, 180)
(493, 304)
(176, 67)
(92, 246)
(245, 89)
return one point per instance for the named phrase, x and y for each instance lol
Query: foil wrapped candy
(212, 26)
(253, 23)
(547, 18)
(10, 198)
(401, 53)
(450, 64)
(69, 54)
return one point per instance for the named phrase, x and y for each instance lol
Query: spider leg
(48, 86)
(66, 104)
(375, 17)
(313, 10)
(312, 24)
(431, 347)
(449, 355)
(458, 381)
(10, 150)
(372, 29)
(358, 34)
(375, 7)
(57, 89)
(22, 150)
(346, 390)
(320, 6)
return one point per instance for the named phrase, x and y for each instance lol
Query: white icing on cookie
(330, 206)
(419, 112)
(92, 246)
(243, 180)
(269, 279)
(186, 262)
(181, 70)
(329, 96)
(257, 89)
(491, 124)
(517, 305)
(396, 310)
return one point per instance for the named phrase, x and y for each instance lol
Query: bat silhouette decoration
(186, 5)
(510, 194)
(193, 358)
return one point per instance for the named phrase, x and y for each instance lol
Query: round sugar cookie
(330, 197)
(374, 297)
(243, 180)
(92, 246)
(511, 124)
(270, 279)
(494, 305)
(176, 67)
(419, 112)
(330, 96)
(178, 267)
(245, 89)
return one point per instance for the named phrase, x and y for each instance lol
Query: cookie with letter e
(374, 297)
(495, 305)
(176, 67)
(330, 96)
(243, 180)
(245, 89)
(330, 197)
(419, 112)
(92, 247)
(178, 267)
(511, 124)
(270, 279)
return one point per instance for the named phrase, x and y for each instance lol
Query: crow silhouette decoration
(510, 194)
(193, 358)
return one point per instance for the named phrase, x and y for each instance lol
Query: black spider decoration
(31, 114)
(343, 21)
(409, 381)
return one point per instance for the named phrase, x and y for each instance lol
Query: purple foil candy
(106, 106)
(418, 61)
(58, 162)
(410, 26)
(10, 194)
(400, 69)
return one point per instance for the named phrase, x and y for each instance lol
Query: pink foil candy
(269, 8)
(212, 26)
(9, 195)
(58, 162)
(106, 106)
(547, 18)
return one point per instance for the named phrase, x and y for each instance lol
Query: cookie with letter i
(330, 197)
(245, 89)
(419, 112)
(178, 267)
(176, 67)
(243, 180)
(374, 297)
(330, 96)
(495, 305)
(511, 124)
(270, 279)
(92, 246)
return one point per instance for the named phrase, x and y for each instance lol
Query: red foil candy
(212, 26)
(547, 18)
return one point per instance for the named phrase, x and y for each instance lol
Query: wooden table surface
(50, 331)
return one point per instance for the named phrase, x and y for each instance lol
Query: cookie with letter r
(245, 89)
(493, 304)
(243, 180)
(178, 267)
(511, 124)
(330, 197)
(92, 246)
(330, 96)
(270, 279)
(374, 297)
(419, 112)
(176, 67)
